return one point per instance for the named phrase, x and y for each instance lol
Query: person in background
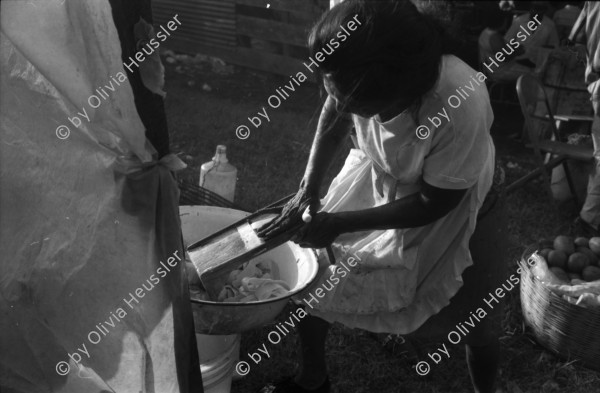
(491, 41)
(545, 35)
(565, 18)
(506, 5)
(588, 22)
(405, 205)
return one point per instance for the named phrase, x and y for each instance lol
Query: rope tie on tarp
(131, 164)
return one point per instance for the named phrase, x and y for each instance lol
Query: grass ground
(271, 163)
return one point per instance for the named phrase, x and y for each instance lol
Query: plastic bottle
(218, 175)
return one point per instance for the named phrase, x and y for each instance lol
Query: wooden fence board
(200, 3)
(192, 11)
(271, 30)
(306, 6)
(222, 23)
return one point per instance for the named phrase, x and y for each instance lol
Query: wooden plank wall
(268, 35)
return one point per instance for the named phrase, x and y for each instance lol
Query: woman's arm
(332, 130)
(419, 209)
(415, 210)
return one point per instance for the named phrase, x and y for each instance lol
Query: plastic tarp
(88, 223)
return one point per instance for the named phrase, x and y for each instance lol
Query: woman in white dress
(405, 204)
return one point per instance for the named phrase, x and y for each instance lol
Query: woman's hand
(291, 215)
(332, 130)
(323, 229)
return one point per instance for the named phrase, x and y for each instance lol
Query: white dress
(398, 278)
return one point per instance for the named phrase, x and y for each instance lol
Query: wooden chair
(544, 136)
(564, 84)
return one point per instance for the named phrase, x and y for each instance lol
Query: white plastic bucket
(218, 356)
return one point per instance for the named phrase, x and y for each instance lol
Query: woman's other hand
(291, 215)
(323, 229)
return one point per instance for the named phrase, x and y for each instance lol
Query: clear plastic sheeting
(89, 222)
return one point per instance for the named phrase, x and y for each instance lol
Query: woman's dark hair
(395, 51)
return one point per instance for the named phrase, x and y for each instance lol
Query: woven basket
(571, 331)
(192, 194)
